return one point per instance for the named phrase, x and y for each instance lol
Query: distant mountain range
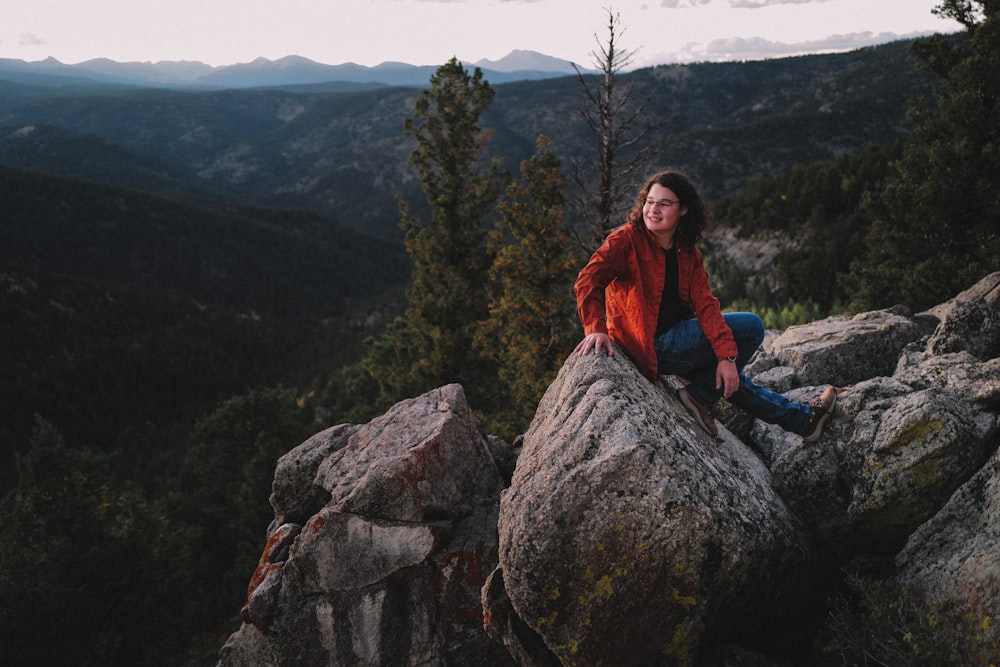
(263, 73)
(338, 147)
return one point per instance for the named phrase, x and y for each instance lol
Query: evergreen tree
(82, 571)
(935, 229)
(818, 207)
(431, 345)
(220, 499)
(532, 324)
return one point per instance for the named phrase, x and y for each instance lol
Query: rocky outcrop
(956, 554)
(398, 533)
(902, 443)
(626, 536)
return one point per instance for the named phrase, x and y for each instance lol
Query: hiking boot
(701, 414)
(822, 408)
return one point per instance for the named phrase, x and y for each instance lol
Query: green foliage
(220, 499)
(914, 224)
(431, 345)
(532, 324)
(936, 221)
(781, 317)
(82, 569)
(883, 624)
(94, 571)
(731, 122)
(120, 369)
(286, 263)
(819, 206)
(56, 150)
(124, 316)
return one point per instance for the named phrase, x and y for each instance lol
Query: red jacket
(618, 293)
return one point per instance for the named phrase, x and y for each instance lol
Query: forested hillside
(126, 310)
(345, 153)
(285, 262)
(129, 324)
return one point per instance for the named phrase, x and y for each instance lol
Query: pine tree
(532, 324)
(935, 229)
(431, 345)
(82, 571)
(220, 498)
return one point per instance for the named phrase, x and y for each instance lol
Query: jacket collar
(648, 235)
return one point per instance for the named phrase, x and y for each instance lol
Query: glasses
(663, 203)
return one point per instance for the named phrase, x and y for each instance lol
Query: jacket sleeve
(605, 265)
(709, 312)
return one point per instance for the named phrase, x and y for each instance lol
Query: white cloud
(736, 4)
(29, 39)
(674, 4)
(757, 4)
(757, 48)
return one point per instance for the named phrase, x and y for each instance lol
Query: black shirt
(670, 303)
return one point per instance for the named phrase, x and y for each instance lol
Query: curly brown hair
(693, 222)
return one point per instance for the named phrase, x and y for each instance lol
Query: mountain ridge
(340, 148)
(518, 65)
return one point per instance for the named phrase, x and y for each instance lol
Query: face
(661, 213)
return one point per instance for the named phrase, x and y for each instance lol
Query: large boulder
(844, 350)
(899, 444)
(619, 509)
(953, 559)
(398, 533)
(628, 536)
(955, 556)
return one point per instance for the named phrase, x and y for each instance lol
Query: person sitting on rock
(646, 288)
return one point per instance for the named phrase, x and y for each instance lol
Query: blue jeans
(684, 351)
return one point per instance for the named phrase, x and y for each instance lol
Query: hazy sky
(429, 32)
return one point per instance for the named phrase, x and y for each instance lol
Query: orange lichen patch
(315, 525)
(271, 560)
(245, 613)
(279, 541)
